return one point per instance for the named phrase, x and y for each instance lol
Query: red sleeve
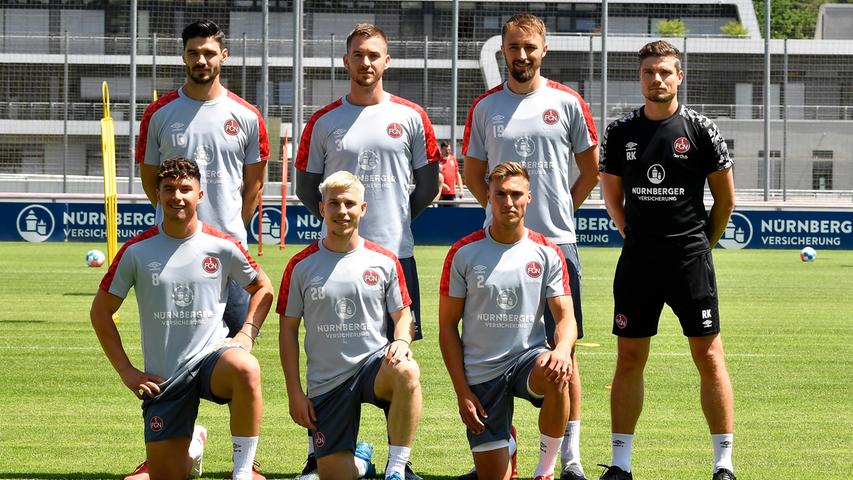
(284, 290)
(444, 287)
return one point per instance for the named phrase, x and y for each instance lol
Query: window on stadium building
(822, 174)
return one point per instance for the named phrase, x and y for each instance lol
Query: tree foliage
(791, 18)
(673, 27)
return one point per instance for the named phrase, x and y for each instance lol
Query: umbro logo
(630, 151)
(317, 280)
(177, 126)
(707, 324)
(154, 266)
(498, 119)
(479, 268)
(726, 444)
(618, 443)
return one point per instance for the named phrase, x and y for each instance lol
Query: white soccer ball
(808, 254)
(95, 258)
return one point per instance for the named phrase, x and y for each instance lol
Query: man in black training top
(655, 161)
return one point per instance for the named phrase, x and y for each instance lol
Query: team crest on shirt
(156, 424)
(370, 277)
(182, 295)
(507, 299)
(232, 127)
(533, 269)
(345, 308)
(319, 439)
(681, 144)
(202, 155)
(550, 116)
(621, 320)
(524, 147)
(368, 160)
(394, 130)
(210, 265)
(656, 174)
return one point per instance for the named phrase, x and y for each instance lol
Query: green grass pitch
(787, 330)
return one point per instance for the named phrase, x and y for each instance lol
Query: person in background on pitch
(543, 125)
(180, 269)
(223, 133)
(345, 278)
(499, 281)
(655, 162)
(451, 179)
(388, 143)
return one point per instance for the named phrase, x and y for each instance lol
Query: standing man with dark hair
(223, 133)
(180, 269)
(656, 161)
(544, 126)
(451, 185)
(388, 143)
(499, 281)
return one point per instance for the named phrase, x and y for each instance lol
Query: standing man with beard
(655, 162)
(543, 125)
(223, 134)
(388, 143)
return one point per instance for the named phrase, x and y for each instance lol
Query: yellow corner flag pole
(108, 150)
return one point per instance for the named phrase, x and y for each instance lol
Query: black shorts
(573, 263)
(645, 280)
(339, 411)
(410, 272)
(172, 413)
(496, 397)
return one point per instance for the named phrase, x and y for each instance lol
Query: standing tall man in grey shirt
(543, 125)
(221, 132)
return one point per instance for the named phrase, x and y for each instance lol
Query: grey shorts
(496, 396)
(573, 263)
(410, 273)
(172, 413)
(236, 308)
(339, 411)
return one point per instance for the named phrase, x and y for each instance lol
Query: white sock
(310, 444)
(620, 444)
(361, 466)
(723, 444)
(197, 442)
(397, 459)
(244, 455)
(570, 451)
(549, 448)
